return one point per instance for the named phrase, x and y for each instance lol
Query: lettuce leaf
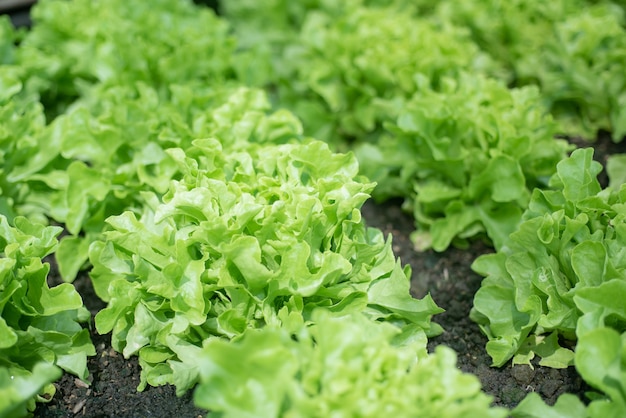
(566, 406)
(20, 391)
(600, 361)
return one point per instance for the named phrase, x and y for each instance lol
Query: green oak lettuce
(415, 97)
(591, 94)
(340, 366)
(561, 275)
(215, 228)
(92, 98)
(22, 120)
(573, 50)
(264, 31)
(466, 158)
(75, 45)
(557, 288)
(245, 235)
(40, 326)
(333, 63)
(95, 159)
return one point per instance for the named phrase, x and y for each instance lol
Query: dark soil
(446, 276)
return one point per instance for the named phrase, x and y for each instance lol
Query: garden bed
(447, 276)
(208, 210)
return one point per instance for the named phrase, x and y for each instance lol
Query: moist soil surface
(447, 276)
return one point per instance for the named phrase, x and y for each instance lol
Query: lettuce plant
(215, 228)
(573, 50)
(93, 99)
(78, 44)
(591, 94)
(561, 275)
(340, 366)
(264, 31)
(349, 69)
(40, 326)
(466, 158)
(331, 69)
(92, 161)
(21, 120)
(243, 236)
(556, 289)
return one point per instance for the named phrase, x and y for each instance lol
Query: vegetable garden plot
(210, 223)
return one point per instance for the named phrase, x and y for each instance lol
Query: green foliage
(567, 406)
(19, 391)
(116, 95)
(467, 156)
(314, 371)
(575, 51)
(333, 64)
(616, 170)
(21, 121)
(560, 282)
(215, 227)
(40, 326)
(112, 145)
(600, 361)
(350, 69)
(242, 237)
(75, 45)
(561, 275)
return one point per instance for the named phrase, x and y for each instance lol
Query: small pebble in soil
(80, 383)
(80, 405)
